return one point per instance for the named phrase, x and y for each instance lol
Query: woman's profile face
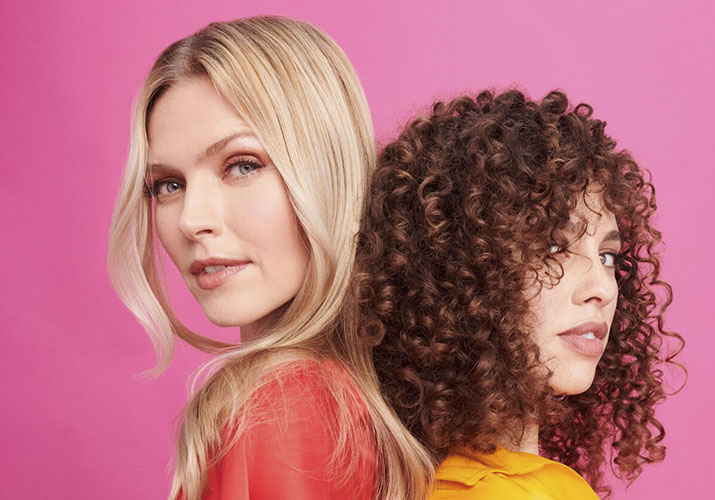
(222, 211)
(573, 317)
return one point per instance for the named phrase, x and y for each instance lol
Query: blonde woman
(250, 154)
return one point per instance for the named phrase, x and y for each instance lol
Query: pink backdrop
(77, 422)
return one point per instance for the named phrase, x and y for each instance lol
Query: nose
(202, 212)
(596, 283)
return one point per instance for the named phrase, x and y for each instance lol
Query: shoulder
(306, 389)
(307, 375)
(301, 411)
(291, 445)
(506, 474)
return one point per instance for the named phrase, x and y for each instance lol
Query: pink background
(75, 419)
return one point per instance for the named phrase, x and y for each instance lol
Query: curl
(463, 207)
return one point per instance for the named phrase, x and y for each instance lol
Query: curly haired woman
(510, 283)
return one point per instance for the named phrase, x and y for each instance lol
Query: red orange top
(286, 451)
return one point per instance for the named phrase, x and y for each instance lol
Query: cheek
(166, 228)
(543, 307)
(546, 310)
(611, 310)
(266, 221)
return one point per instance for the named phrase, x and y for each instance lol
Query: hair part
(294, 87)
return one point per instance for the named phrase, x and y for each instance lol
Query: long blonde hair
(296, 89)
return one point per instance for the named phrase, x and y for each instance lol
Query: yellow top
(509, 475)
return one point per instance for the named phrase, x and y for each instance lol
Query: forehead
(189, 116)
(592, 212)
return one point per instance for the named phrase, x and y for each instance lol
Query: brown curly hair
(465, 205)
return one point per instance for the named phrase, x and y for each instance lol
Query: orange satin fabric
(285, 452)
(508, 475)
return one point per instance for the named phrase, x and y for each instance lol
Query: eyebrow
(209, 151)
(220, 144)
(614, 235)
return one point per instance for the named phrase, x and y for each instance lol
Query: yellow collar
(468, 467)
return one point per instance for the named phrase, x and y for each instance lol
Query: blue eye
(166, 187)
(608, 259)
(243, 167)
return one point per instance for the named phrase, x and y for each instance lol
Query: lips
(214, 272)
(586, 338)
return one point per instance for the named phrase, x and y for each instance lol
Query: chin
(573, 382)
(222, 321)
(226, 318)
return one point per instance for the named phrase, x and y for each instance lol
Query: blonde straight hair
(296, 89)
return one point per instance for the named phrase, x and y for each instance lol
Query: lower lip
(209, 281)
(582, 345)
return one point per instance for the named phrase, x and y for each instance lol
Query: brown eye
(608, 259)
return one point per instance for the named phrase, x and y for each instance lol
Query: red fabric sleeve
(286, 453)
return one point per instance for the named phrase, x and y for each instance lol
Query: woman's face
(573, 317)
(222, 211)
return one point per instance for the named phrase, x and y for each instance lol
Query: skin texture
(587, 291)
(230, 203)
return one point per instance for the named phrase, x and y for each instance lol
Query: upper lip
(198, 266)
(599, 329)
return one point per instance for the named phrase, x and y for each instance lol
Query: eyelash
(244, 161)
(153, 190)
(555, 249)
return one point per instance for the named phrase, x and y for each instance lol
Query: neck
(529, 442)
(247, 334)
(253, 331)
